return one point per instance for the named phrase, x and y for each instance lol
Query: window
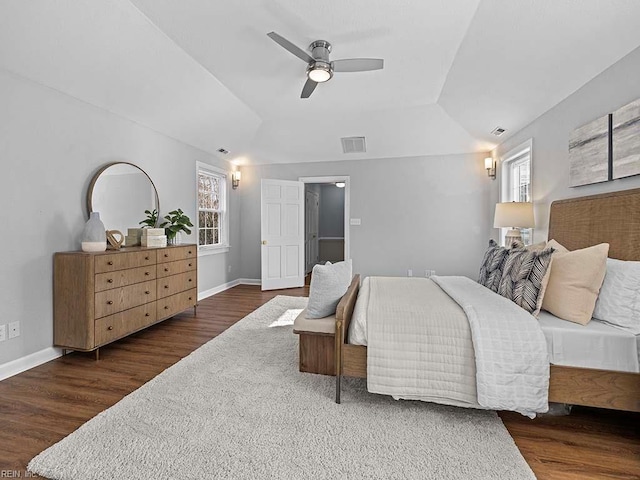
(212, 209)
(516, 175)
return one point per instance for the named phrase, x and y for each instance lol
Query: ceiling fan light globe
(319, 73)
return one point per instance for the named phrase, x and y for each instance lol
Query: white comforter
(419, 348)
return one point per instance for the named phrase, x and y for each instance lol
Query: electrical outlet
(429, 273)
(409, 273)
(3, 333)
(14, 329)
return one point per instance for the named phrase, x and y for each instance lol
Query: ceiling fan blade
(297, 51)
(308, 88)
(357, 64)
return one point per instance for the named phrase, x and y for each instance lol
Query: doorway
(326, 216)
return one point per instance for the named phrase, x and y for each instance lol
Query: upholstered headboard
(613, 218)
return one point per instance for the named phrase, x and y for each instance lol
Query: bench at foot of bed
(317, 344)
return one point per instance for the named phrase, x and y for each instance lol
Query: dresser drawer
(124, 260)
(173, 268)
(121, 324)
(173, 254)
(119, 299)
(174, 304)
(122, 278)
(176, 283)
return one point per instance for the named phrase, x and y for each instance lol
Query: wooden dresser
(102, 297)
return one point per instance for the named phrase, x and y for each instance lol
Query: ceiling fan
(319, 68)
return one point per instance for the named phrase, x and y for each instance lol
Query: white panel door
(282, 230)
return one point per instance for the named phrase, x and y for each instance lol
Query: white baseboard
(227, 286)
(19, 365)
(218, 289)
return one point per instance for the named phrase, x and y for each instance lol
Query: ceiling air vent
(223, 151)
(353, 145)
(498, 131)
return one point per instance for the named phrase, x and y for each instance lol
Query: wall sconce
(235, 179)
(490, 166)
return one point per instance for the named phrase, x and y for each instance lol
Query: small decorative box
(131, 240)
(154, 241)
(152, 232)
(134, 232)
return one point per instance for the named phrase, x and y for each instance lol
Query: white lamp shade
(514, 214)
(488, 163)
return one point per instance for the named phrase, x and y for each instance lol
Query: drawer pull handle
(146, 314)
(166, 255)
(147, 292)
(109, 327)
(191, 264)
(189, 252)
(147, 257)
(166, 286)
(166, 307)
(166, 269)
(189, 298)
(110, 262)
(189, 279)
(146, 273)
(109, 280)
(109, 302)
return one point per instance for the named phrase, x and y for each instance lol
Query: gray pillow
(328, 284)
(492, 265)
(522, 276)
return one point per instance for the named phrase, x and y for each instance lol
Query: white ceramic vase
(94, 235)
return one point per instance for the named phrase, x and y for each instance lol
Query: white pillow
(619, 299)
(328, 284)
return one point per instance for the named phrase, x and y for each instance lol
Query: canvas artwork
(626, 140)
(589, 153)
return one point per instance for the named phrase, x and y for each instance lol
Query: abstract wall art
(589, 153)
(626, 140)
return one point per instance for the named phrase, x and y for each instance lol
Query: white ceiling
(205, 72)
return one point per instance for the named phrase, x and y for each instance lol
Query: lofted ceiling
(204, 72)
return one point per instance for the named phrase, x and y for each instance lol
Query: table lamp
(513, 215)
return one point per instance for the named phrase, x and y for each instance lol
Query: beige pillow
(574, 281)
(559, 248)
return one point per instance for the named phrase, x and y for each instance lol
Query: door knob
(264, 242)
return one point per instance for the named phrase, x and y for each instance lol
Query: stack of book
(154, 237)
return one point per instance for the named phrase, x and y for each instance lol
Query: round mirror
(121, 192)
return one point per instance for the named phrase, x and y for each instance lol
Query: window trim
(224, 246)
(512, 155)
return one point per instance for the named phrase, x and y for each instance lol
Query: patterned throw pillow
(522, 277)
(492, 265)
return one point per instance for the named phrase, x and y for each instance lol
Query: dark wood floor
(41, 406)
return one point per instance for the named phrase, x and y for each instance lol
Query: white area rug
(238, 408)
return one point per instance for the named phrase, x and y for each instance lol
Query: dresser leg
(97, 354)
(195, 307)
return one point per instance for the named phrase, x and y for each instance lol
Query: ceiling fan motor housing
(320, 50)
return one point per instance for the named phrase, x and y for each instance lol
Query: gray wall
(50, 147)
(419, 213)
(331, 211)
(615, 87)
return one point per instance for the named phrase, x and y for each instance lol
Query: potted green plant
(152, 219)
(176, 222)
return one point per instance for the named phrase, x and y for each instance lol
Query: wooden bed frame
(576, 223)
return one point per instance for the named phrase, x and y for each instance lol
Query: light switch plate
(355, 221)
(3, 333)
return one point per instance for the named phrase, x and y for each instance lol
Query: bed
(609, 379)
